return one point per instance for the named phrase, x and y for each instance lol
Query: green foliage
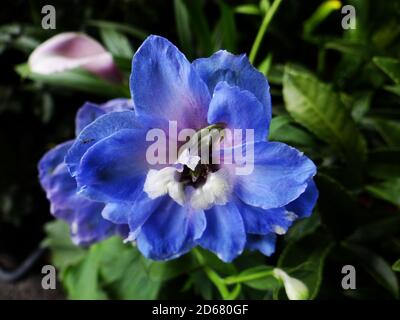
(109, 269)
(317, 107)
(76, 79)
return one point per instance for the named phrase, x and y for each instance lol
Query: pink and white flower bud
(71, 50)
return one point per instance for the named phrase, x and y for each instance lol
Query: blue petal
(170, 231)
(118, 105)
(101, 128)
(263, 243)
(56, 180)
(86, 115)
(91, 111)
(117, 212)
(236, 70)
(238, 109)
(164, 85)
(83, 215)
(49, 162)
(141, 211)
(281, 173)
(225, 234)
(88, 226)
(264, 221)
(115, 168)
(304, 204)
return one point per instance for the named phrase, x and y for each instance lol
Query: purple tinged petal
(82, 215)
(164, 85)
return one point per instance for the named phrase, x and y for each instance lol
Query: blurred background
(356, 143)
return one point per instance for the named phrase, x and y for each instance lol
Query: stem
(213, 276)
(250, 277)
(264, 25)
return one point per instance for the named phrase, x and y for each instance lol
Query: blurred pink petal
(70, 50)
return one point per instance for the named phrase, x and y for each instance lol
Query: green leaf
(136, 284)
(388, 129)
(248, 9)
(317, 107)
(82, 281)
(390, 66)
(303, 227)
(376, 231)
(393, 89)
(200, 26)
(361, 105)
(290, 134)
(138, 33)
(304, 260)
(319, 15)
(163, 271)
(396, 266)
(336, 204)
(265, 65)
(227, 27)
(388, 190)
(76, 79)
(384, 163)
(116, 42)
(182, 26)
(376, 266)
(63, 252)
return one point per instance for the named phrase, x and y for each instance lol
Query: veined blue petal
(237, 71)
(91, 111)
(170, 231)
(117, 212)
(238, 109)
(51, 159)
(164, 85)
(118, 105)
(88, 226)
(86, 115)
(225, 233)
(264, 221)
(281, 173)
(115, 168)
(101, 128)
(82, 215)
(263, 243)
(304, 204)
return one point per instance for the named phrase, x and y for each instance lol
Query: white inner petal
(161, 182)
(215, 190)
(188, 159)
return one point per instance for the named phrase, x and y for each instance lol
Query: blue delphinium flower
(83, 215)
(168, 211)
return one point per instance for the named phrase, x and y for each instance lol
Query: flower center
(201, 184)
